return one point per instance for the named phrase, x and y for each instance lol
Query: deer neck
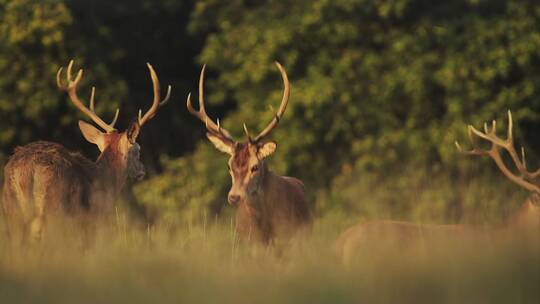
(110, 176)
(265, 185)
(258, 202)
(255, 213)
(528, 215)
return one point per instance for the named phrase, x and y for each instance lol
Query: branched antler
(71, 89)
(525, 178)
(156, 103)
(201, 114)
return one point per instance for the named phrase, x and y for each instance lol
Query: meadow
(205, 261)
(380, 92)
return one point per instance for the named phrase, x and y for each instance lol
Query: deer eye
(255, 168)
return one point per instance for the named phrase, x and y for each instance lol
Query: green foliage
(421, 195)
(38, 37)
(190, 189)
(31, 34)
(376, 85)
(381, 81)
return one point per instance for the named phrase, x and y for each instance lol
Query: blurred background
(380, 92)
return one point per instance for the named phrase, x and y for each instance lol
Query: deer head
(246, 164)
(524, 178)
(118, 149)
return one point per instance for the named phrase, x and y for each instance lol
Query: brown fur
(373, 236)
(277, 208)
(44, 178)
(270, 206)
(240, 160)
(274, 213)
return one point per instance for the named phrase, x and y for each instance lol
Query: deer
(42, 179)
(407, 235)
(269, 206)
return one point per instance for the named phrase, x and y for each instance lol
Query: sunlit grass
(209, 263)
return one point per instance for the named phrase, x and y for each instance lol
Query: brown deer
(407, 235)
(44, 178)
(269, 205)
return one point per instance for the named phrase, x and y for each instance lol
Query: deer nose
(233, 198)
(140, 175)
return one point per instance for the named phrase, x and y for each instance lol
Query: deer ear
(133, 131)
(92, 134)
(221, 144)
(264, 150)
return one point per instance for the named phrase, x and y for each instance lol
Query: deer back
(48, 172)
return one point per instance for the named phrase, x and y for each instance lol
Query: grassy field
(209, 264)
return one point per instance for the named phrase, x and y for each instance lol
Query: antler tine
(526, 178)
(523, 161)
(247, 132)
(532, 175)
(92, 105)
(92, 94)
(475, 150)
(202, 109)
(510, 136)
(520, 163)
(201, 113)
(282, 106)
(71, 89)
(156, 103)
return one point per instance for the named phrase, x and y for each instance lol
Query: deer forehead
(244, 156)
(121, 143)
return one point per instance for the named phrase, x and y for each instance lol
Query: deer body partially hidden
(269, 205)
(408, 236)
(277, 208)
(43, 179)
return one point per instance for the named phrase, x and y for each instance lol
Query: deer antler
(201, 114)
(526, 179)
(71, 89)
(284, 101)
(156, 103)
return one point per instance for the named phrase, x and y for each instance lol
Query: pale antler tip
(246, 130)
(188, 100)
(92, 95)
(116, 114)
(152, 71)
(280, 67)
(167, 96)
(79, 75)
(58, 77)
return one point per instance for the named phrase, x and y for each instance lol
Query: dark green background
(380, 92)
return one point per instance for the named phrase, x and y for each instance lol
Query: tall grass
(203, 260)
(208, 263)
